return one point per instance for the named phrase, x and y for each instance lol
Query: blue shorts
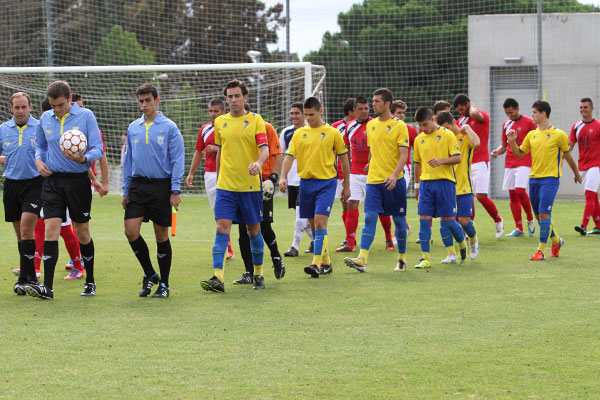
(316, 196)
(437, 198)
(241, 207)
(387, 202)
(542, 192)
(464, 205)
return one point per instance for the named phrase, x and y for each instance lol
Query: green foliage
(120, 47)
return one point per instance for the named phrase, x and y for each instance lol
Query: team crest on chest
(245, 124)
(389, 128)
(135, 141)
(7, 143)
(304, 135)
(519, 129)
(422, 141)
(591, 131)
(373, 128)
(161, 140)
(439, 138)
(225, 125)
(322, 135)
(547, 137)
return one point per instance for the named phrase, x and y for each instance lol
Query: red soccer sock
(525, 202)
(490, 207)
(386, 224)
(596, 215)
(351, 225)
(72, 245)
(39, 234)
(591, 198)
(515, 208)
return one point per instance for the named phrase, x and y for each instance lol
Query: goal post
(184, 91)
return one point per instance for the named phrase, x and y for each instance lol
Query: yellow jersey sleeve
(526, 145)
(384, 139)
(316, 150)
(563, 141)
(463, 169)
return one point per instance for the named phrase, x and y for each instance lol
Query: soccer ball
(72, 142)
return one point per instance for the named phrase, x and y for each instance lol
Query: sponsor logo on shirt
(135, 141)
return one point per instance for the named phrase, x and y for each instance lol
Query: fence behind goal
(184, 90)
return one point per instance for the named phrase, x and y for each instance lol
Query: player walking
(152, 175)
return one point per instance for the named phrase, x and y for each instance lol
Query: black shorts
(151, 199)
(22, 196)
(64, 190)
(267, 216)
(293, 196)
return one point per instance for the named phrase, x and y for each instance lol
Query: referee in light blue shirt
(67, 184)
(152, 175)
(23, 183)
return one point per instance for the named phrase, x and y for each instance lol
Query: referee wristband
(417, 185)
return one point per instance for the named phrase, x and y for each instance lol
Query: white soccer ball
(72, 142)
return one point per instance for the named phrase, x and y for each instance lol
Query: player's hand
(578, 178)
(366, 168)
(268, 190)
(390, 182)
(97, 186)
(434, 162)
(2, 160)
(77, 157)
(282, 185)
(345, 193)
(124, 201)
(189, 181)
(494, 153)
(175, 200)
(211, 148)
(42, 168)
(417, 194)
(103, 189)
(254, 168)
(511, 135)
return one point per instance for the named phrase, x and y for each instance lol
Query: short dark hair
(75, 97)
(397, 104)
(312, 102)
(423, 114)
(542, 106)
(46, 105)
(361, 100)
(147, 88)
(216, 102)
(20, 94)
(444, 117)
(510, 103)
(386, 95)
(461, 99)
(587, 100)
(441, 105)
(349, 105)
(236, 83)
(58, 89)
(298, 105)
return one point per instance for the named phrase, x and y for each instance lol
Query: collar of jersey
(157, 120)
(75, 109)
(30, 122)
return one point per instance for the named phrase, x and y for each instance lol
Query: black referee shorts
(22, 196)
(293, 196)
(64, 190)
(151, 199)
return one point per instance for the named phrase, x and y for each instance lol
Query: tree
(120, 47)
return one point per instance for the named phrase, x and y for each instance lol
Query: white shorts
(358, 187)
(407, 175)
(591, 179)
(516, 178)
(480, 173)
(67, 220)
(339, 188)
(210, 184)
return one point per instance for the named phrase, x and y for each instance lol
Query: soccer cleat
(595, 231)
(538, 256)
(230, 255)
(278, 267)
(213, 285)
(450, 259)
(259, 282)
(312, 270)
(292, 252)
(580, 229)
(556, 247)
(19, 288)
(356, 263)
(40, 291)
(531, 228)
(147, 285)
(69, 265)
(311, 248)
(75, 274)
(516, 233)
(162, 292)
(89, 289)
(325, 269)
(345, 242)
(346, 249)
(245, 279)
(401, 266)
(463, 255)
(423, 264)
(474, 249)
(389, 245)
(499, 228)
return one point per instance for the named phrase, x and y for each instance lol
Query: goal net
(184, 90)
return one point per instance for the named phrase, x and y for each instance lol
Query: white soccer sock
(298, 229)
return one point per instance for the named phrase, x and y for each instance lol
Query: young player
(301, 225)
(388, 143)
(468, 142)
(22, 185)
(436, 153)
(517, 170)
(586, 134)
(152, 175)
(316, 147)
(480, 123)
(206, 143)
(67, 182)
(547, 146)
(243, 149)
(270, 174)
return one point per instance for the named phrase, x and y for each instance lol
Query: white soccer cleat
(531, 227)
(499, 228)
(450, 259)
(474, 249)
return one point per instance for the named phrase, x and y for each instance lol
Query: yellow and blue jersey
(546, 148)
(384, 138)
(240, 139)
(439, 144)
(18, 144)
(154, 150)
(463, 170)
(316, 150)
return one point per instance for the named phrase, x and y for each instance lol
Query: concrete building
(503, 63)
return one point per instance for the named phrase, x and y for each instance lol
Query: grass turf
(499, 327)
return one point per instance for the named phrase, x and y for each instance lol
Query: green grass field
(499, 327)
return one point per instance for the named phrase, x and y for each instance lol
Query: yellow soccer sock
(258, 269)
(220, 274)
(363, 254)
(317, 259)
(402, 257)
(451, 250)
(473, 239)
(425, 255)
(325, 259)
(555, 239)
(542, 247)
(463, 244)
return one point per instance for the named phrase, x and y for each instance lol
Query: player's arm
(499, 150)
(346, 174)
(177, 156)
(288, 160)
(473, 138)
(452, 160)
(104, 171)
(2, 160)
(255, 167)
(41, 152)
(475, 113)
(511, 135)
(94, 181)
(127, 169)
(390, 181)
(571, 145)
(196, 161)
(571, 161)
(417, 179)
